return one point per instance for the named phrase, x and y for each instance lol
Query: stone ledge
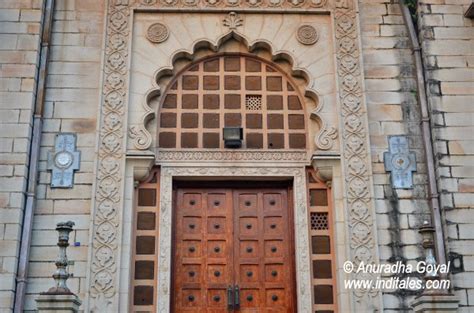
(61, 303)
(432, 303)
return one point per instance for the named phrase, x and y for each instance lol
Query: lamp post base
(51, 303)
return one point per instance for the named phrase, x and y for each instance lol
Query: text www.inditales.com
(369, 276)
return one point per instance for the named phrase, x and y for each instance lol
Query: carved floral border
(106, 232)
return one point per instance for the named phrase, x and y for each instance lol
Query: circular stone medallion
(157, 33)
(63, 159)
(307, 35)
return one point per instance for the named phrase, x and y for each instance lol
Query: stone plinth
(432, 303)
(49, 303)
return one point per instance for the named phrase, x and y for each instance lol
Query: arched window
(232, 90)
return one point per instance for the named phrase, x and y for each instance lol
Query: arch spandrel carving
(238, 28)
(118, 95)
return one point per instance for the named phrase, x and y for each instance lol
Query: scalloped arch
(142, 137)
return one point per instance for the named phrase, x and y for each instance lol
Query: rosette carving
(157, 32)
(307, 35)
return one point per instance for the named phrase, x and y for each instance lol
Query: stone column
(59, 299)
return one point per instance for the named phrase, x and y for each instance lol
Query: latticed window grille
(253, 103)
(319, 221)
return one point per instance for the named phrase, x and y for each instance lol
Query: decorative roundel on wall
(157, 33)
(307, 35)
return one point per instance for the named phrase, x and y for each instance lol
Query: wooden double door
(233, 251)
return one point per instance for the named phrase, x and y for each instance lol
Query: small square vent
(253, 103)
(319, 221)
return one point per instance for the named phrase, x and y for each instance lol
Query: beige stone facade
(107, 70)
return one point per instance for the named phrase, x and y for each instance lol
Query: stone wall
(73, 98)
(71, 105)
(448, 48)
(393, 110)
(19, 42)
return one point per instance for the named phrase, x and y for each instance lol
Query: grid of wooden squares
(322, 245)
(232, 91)
(144, 265)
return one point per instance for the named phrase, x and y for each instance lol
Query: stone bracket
(324, 166)
(142, 162)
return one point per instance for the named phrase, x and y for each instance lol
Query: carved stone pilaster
(104, 265)
(356, 158)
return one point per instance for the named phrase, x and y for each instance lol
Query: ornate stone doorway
(129, 138)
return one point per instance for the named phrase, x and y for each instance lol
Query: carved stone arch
(323, 135)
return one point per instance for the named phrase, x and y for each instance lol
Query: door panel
(203, 253)
(264, 251)
(233, 237)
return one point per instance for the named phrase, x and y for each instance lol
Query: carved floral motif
(210, 4)
(307, 35)
(232, 156)
(356, 151)
(157, 32)
(233, 20)
(318, 3)
(106, 226)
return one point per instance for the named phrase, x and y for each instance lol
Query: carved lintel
(233, 156)
(141, 163)
(233, 4)
(325, 166)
